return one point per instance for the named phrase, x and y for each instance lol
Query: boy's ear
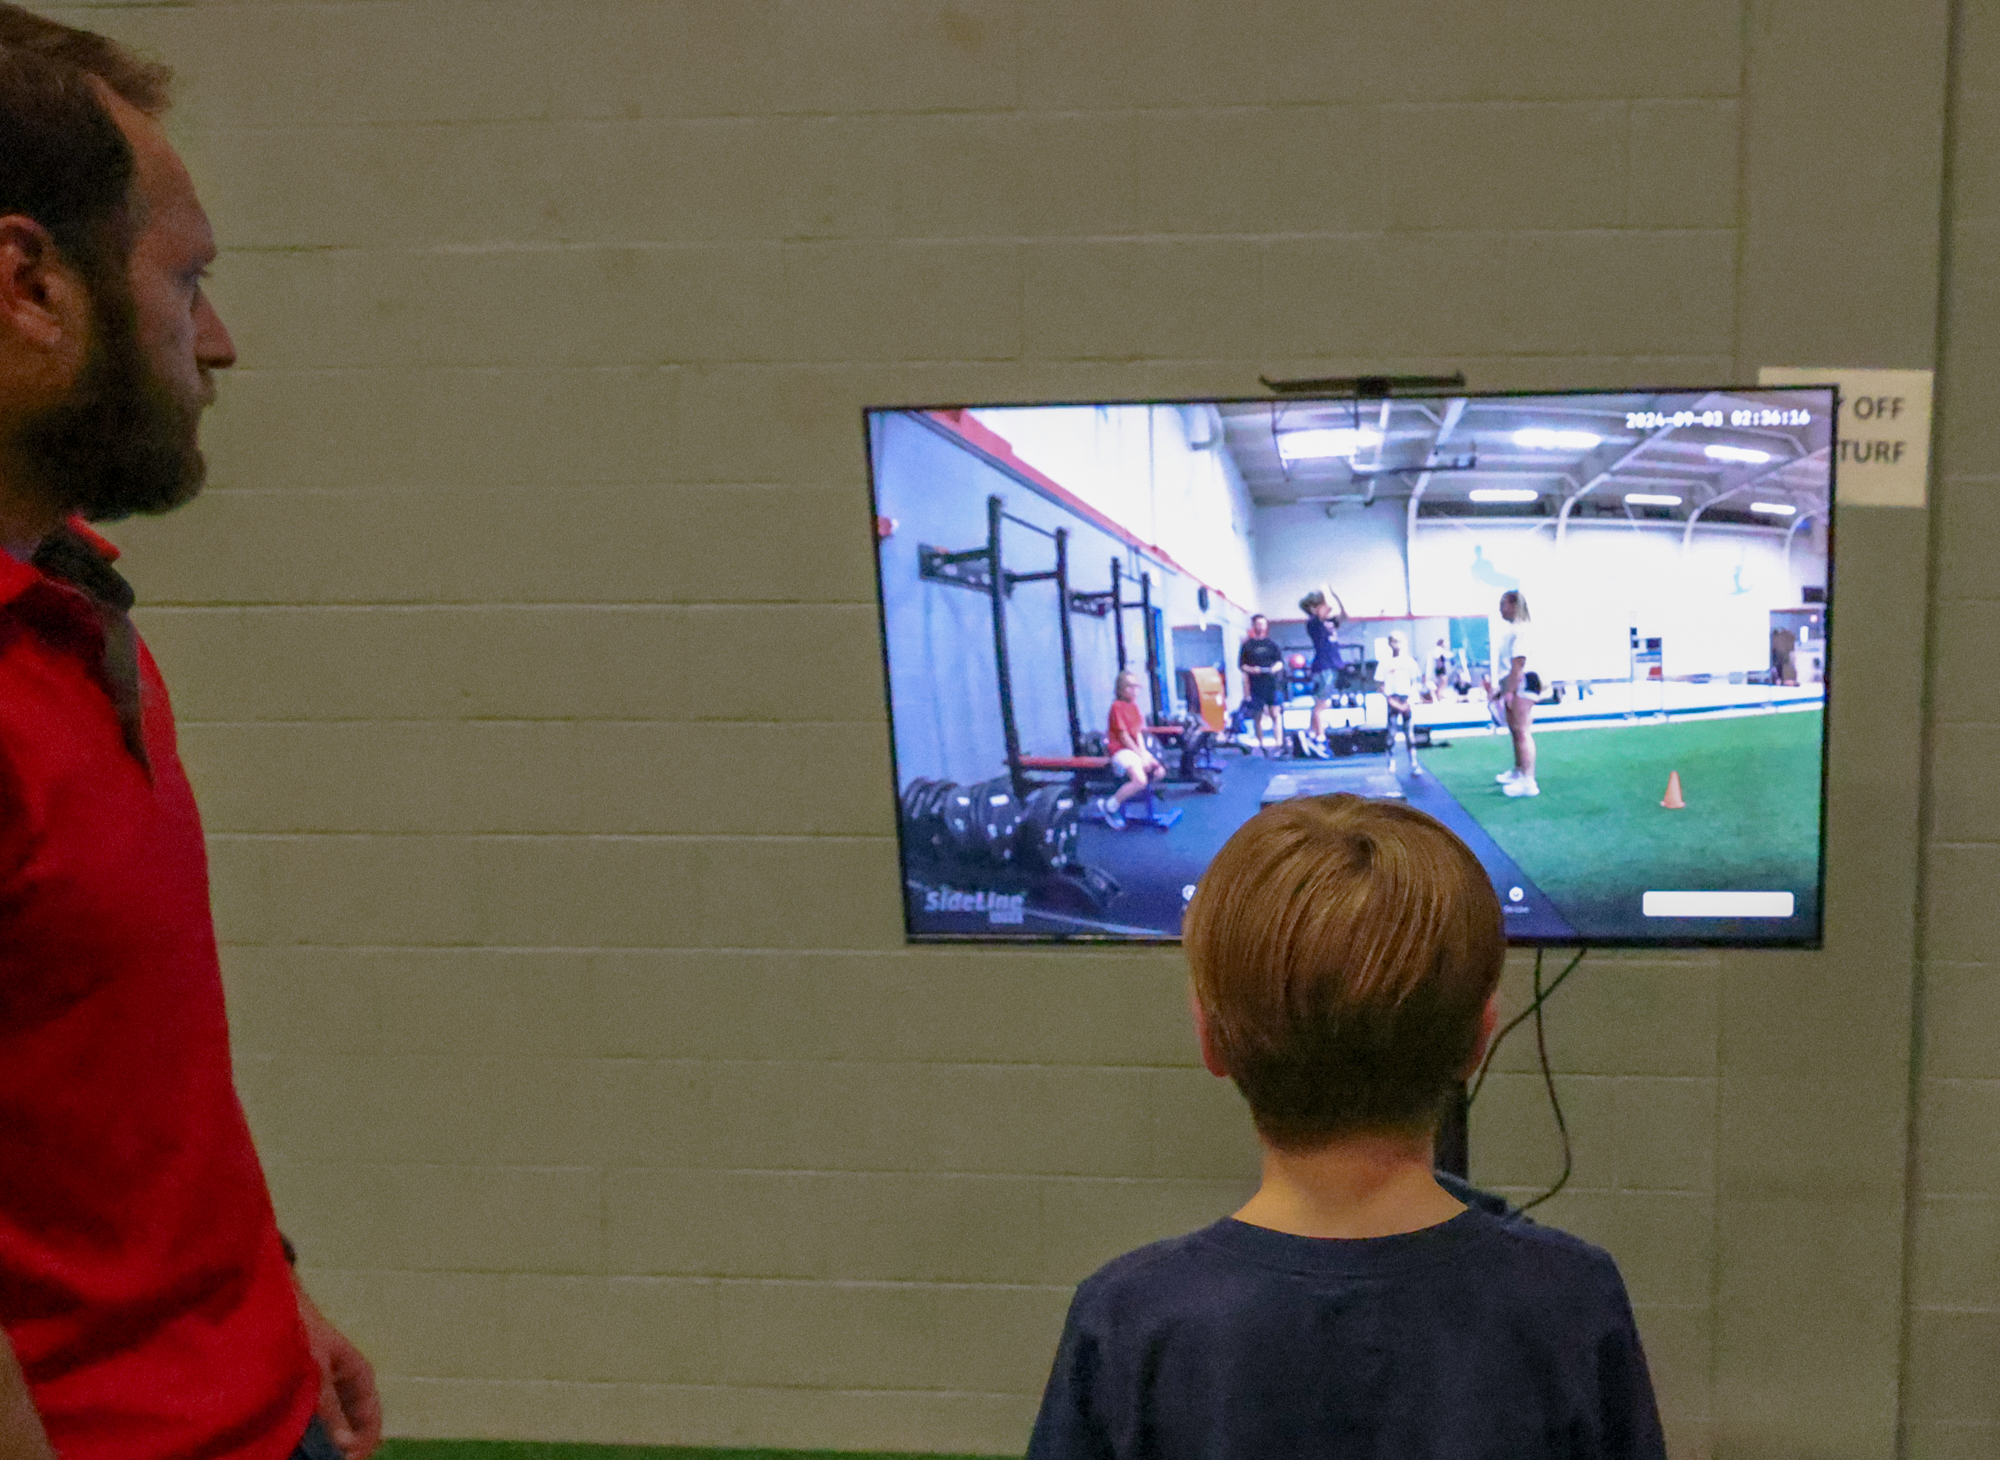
(1489, 1020)
(1210, 1060)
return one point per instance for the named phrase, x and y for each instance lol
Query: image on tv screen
(1589, 632)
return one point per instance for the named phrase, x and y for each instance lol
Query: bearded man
(146, 1296)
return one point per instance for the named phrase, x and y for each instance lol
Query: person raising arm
(1322, 608)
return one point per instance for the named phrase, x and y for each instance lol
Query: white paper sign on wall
(1883, 437)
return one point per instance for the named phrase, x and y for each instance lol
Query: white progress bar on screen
(1718, 904)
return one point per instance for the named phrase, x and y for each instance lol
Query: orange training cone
(1673, 801)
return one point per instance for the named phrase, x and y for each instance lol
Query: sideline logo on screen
(1001, 908)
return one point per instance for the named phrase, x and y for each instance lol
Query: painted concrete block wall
(571, 1007)
(1953, 1396)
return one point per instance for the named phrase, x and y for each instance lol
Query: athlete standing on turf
(1514, 697)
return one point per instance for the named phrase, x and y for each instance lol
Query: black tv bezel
(997, 938)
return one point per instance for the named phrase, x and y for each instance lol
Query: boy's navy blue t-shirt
(1476, 1339)
(1322, 638)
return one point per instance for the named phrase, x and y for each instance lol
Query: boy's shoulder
(1227, 1261)
(1164, 1340)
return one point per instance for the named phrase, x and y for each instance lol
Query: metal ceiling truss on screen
(1432, 454)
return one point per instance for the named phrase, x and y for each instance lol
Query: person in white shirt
(1513, 698)
(1399, 675)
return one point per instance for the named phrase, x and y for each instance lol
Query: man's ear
(1211, 1061)
(43, 301)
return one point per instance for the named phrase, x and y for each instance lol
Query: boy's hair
(1127, 676)
(1343, 951)
(1320, 598)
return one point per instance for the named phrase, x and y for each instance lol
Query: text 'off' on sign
(1882, 447)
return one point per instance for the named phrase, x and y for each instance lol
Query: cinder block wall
(1953, 1393)
(526, 657)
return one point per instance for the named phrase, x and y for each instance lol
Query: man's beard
(120, 444)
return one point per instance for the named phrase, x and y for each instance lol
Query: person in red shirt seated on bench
(1130, 757)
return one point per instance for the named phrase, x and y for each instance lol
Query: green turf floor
(533, 1450)
(1598, 831)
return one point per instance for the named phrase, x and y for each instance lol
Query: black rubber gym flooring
(1157, 869)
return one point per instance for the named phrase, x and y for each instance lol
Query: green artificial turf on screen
(1598, 830)
(538, 1450)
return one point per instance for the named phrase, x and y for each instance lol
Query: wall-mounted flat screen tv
(1591, 632)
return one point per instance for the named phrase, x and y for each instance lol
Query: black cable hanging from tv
(1542, 994)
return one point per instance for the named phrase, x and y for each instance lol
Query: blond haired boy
(1345, 955)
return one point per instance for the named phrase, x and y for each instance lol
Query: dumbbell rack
(983, 835)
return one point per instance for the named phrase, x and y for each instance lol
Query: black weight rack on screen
(1112, 601)
(984, 570)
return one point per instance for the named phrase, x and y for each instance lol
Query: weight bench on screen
(1144, 809)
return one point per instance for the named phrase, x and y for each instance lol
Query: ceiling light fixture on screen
(1505, 494)
(1325, 441)
(1539, 439)
(1775, 509)
(1651, 499)
(1735, 453)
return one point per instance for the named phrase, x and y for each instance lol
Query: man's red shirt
(142, 1280)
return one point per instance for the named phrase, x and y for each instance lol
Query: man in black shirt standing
(1263, 666)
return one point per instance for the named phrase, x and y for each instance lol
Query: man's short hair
(64, 161)
(1343, 951)
(144, 83)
